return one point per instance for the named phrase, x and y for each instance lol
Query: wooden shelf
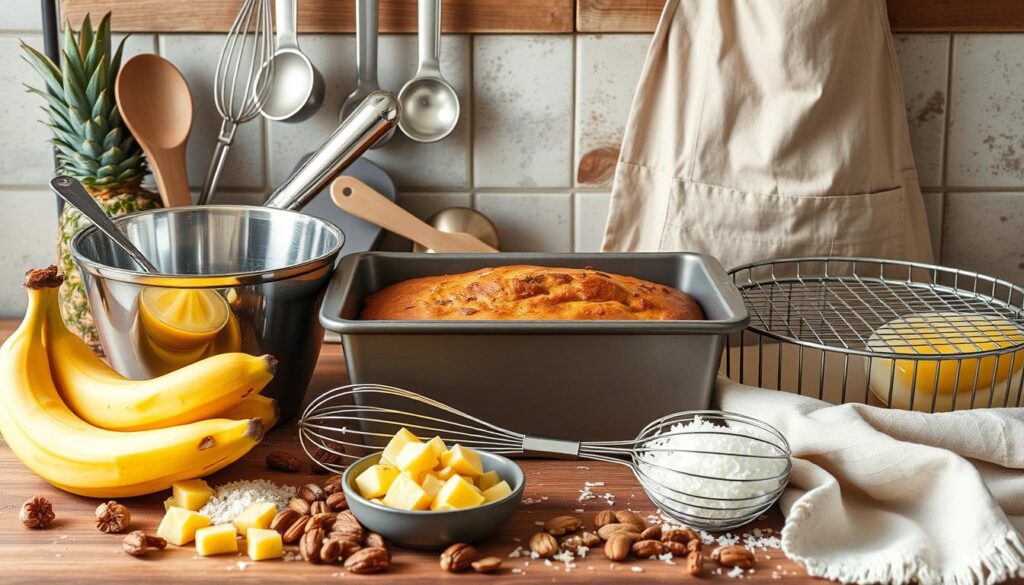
(608, 16)
(332, 16)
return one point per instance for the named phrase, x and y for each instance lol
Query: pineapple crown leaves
(92, 141)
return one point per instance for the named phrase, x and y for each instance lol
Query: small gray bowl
(425, 529)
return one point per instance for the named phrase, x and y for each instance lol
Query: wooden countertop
(72, 550)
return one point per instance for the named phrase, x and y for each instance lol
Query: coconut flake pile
(670, 461)
(230, 499)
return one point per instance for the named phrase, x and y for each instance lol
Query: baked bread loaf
(530, 293)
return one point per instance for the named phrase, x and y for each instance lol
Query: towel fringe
(999, 560)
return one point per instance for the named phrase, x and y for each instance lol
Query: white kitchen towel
(881, 495)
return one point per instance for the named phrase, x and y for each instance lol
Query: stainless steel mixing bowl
(269, 265)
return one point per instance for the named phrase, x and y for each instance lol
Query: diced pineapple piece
(375, 480)
(437, 444)
(431, 484)
(497, 491)
(445, 473)
(263, 543)
(406, 494)
(487, 480)
(401, 438)
(442, 508)
(458, 493)
(416, 457)
(179, 525)
(464, 461)
(256, 515)
(377, 501)
(169, 502)
(216, 540)
(191, 494)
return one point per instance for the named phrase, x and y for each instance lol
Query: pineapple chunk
(179, 525)
(169, 502)
(256, 515)
(263, 543)
(431, 484)
(375, 480)
(216, 540)
(487, 480)
(464, 461)
(416, 457)
(445, 473)
(401, 438)
(191, 494)
(437, 444)
(406, 494)
(458, 493)
(497, 491)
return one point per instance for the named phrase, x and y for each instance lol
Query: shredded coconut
(230, 499)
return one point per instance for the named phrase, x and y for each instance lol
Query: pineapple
(93, 145)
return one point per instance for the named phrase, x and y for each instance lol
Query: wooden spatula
(362, 201)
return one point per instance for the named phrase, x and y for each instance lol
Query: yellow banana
(80, 458)
(103, 397)
(257, 406)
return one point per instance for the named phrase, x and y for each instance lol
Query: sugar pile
(683, 460)
(230, 499)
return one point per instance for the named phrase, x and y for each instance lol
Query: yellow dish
(182, 317)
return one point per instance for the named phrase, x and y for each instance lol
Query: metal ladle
(297, 89)
(366, 62)
(430, 106)
(71, 190)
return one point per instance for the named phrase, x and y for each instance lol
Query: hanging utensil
(156, 104)
(430, 106)
(360, 200)
(245, 74)
(71, 191)
(366, 61)
(298, 87)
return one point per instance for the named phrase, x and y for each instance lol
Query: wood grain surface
(71, 550)
(609, 16)
(321, 16)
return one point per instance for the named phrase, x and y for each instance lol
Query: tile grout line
(944, 171)
(574, 129)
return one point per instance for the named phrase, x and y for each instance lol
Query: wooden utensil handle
(172, 178)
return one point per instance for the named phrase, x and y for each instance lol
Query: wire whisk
(242, 83)
(708, 469)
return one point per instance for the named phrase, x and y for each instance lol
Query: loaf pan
(580, 380)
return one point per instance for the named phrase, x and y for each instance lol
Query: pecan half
(317, 507)
(336, 502)
(695, 564)
(295, 531)
(734, 555)
(618, 546)
(604, 517)
(299, 505)
(543, 544)
(311, 493)
(683, 535)
(457, 557)
(487, 565)
(284, 520)
(323, 521)
(561, 525)
(310, 545)
(283, 461)
(627, 517)
(647, 548)
(651, 533)
(368, 560)
(606, 531)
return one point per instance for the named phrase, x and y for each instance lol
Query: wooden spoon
(156, 104)
(362, 201)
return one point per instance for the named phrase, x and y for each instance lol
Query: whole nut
(651, 533)
(330, 552)
(295, 531)
(112, 517)
(323, 521)
(36, 513)
(283, 461)
(604, 517)
(734, 555)
(284, 520)
(317, 507)
(299, 505)
(627, 517)
(336, 502)
(332, 485)
(137, 543)
(677, 549)
(618, 546)
(375, 540)
(310, 545)
(311, 493)
(606, 531)
(544, 544)
(487, 565)
(457, 557)
(560, 525)
(647, 548)
(694, 564)
(683, 535)
(326, 457)
(346, 526)
(368, 560)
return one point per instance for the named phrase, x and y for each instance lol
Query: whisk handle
(551, 448)
(220, 157)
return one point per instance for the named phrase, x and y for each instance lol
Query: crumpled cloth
(881, 495)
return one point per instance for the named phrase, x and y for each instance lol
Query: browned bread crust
(530, 293)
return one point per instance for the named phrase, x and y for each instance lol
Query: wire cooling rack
(889, 332)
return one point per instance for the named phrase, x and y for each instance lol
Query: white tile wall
(541, 120)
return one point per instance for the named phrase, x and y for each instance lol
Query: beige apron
(769, 129)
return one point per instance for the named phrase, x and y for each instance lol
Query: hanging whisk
(708, 469)
(245, 74)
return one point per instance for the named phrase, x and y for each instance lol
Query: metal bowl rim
(230, 279)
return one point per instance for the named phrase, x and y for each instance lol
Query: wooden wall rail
(516, 16)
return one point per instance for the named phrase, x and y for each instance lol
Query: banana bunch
(81, 426)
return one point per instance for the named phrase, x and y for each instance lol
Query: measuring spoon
(366, 62)
(297, 88)
(430, 106)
